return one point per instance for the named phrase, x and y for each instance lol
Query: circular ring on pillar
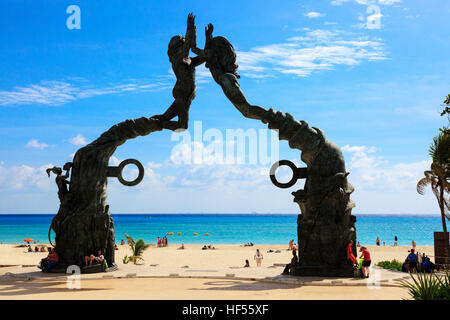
(139, 177)
(274, 168)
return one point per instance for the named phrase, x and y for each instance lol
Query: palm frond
(422, 184)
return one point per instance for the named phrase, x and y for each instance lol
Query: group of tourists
(50, 261)
(417, 263)
(161, 242)
(365, 259)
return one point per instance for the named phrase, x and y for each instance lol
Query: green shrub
(394, 264)
(425, 286)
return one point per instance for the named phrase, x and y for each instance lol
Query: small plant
(394, 264)
(428, 286)
(137, 248)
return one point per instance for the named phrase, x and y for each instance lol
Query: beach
(204, 274)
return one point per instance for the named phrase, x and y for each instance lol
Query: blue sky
(376, 92)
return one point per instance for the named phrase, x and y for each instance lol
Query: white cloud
(56, 93)
(316, 50)
(367, 2)
(314, 14)
(78, 140)
(23, 177)
(384, 187)
(34, 143)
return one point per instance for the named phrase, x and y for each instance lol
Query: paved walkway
(379, 277)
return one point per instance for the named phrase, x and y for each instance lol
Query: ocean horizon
(229, 228)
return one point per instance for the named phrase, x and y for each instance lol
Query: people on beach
(425, 266)
(405, 266)
(413, 243)
(358, 245)
(158, 242)
(291, 265)
(181, 247)
(52, 260)
(29, 249)
(247, 264)
(89, 260)
(291, 245)
(258, 257)
(395, 241)
(378, 241)
(122, 242)
(350, 254)
(412, 257)
(366, 262)
(36, 249)
(115, 247)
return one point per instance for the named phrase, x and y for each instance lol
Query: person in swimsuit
(258, 257)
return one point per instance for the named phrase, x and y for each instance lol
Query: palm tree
(438, 177)
(137, 247)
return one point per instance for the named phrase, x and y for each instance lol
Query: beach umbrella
(28, 240)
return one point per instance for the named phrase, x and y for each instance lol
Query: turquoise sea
(228, 228)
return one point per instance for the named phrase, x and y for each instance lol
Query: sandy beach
(224, 256)
(192, 273)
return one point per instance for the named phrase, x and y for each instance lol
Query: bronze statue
(61, 180)
(184, 68)
(221, 61)
(84, 224)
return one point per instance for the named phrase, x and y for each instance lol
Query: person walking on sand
(366, 261)
(395, 241)
(378, 241)
(413, 245)
(258, 257)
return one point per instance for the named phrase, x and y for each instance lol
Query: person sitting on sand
(247, 264)
(36, 249)
(115, 247)
(350, 255)
(42, 249)
(405, 266)
(122, 242)
(52, 260)
(425, 266)
(366, 262)
(29, 249)
(94, 259)
(412, 257)
(205, 247)
(291, 265)
(258, 257)
(182, 247)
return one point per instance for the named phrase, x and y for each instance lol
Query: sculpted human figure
(184, 68)
(61, 180)
(221, 61)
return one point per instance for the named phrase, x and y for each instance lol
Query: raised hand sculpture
(184, 68)
(221, 61)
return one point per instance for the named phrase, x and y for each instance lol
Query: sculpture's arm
(190, 34)
(196, 61)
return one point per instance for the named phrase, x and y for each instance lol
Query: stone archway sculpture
(83, 223)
